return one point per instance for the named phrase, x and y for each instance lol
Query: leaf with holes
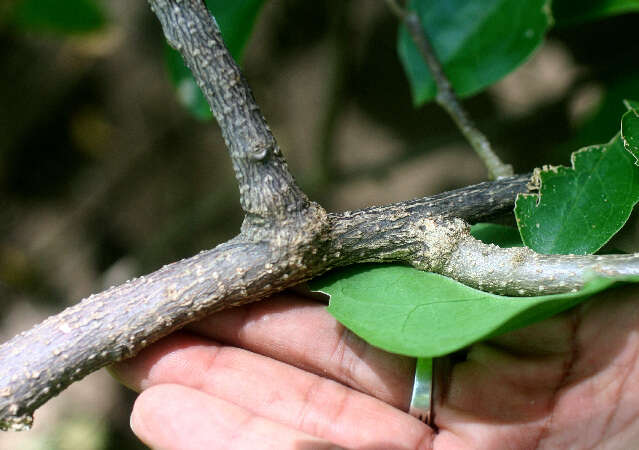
(579, 208)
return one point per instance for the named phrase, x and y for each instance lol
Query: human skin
(283, 374)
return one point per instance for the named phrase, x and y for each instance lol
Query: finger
(301, 332)
(275, 390)
(178, 417)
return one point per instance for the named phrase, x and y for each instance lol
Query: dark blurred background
(105, 176)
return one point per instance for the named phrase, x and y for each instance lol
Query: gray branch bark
(285, 240)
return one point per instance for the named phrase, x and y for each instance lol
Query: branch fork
(285, 239)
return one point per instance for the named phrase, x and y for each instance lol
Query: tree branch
(107, 327)
(446, 97)
(521, 272)
(285, 240)
(268, 191)
(117, 323)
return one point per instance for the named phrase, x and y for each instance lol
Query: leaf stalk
(446, 96)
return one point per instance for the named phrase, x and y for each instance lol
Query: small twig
(446, 97)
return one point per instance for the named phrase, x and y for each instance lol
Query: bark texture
(117, 323)
(285, 239)
(267, 190)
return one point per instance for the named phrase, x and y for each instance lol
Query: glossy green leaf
(406, 311)
(630, 129)
(501, 235)
(568, 12)
(236, 20)
(68, 16)
(478, 42)
(579, 209)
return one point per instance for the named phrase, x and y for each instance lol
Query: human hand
(283, 373)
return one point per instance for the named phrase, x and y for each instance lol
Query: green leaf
(68, 16)
(630, 129)
(478, 42)
(501, 235)
(579, 209)
(236, 20)
(631, 105)
(568, 12)
(406, 311)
